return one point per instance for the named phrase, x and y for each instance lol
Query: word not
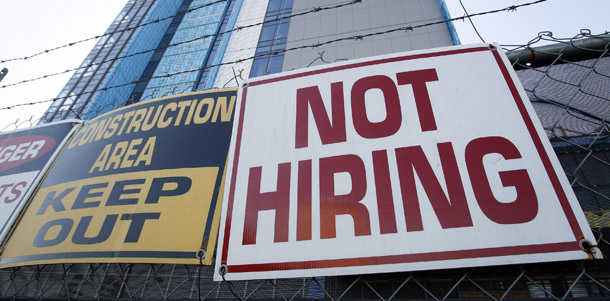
(335, 131)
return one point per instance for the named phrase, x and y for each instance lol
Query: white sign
(24, 156)
(414, 161)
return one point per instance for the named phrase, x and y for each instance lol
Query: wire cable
(472, 23)
(356, 37)
(203, 37)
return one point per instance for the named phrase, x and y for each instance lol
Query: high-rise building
(156, 48)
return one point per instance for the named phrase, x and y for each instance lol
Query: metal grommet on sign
(223, 270)
(201, 254)
(585, 245)
(244, 85)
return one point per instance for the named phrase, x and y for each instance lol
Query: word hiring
(107, 194)
(450, 208)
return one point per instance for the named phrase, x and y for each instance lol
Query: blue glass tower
(157, 48)
(147, 40)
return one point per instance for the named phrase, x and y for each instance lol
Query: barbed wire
(46, 51)
(235, 77)
(203, 37)
(549, 37)
(276, 52)
(472, 23)
(321, 58)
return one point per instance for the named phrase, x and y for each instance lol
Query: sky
(31, 26)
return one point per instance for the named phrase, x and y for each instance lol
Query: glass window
(275, 64)
(267, 33)
(259, 66)
(274, 5)
(273, 38)
(283, 30)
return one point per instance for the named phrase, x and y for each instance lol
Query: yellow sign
(141, 184)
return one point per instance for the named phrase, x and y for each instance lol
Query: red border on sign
(421, 257)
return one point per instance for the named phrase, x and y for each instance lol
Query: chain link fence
(568, 82)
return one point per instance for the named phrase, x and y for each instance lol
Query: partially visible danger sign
(140, 184)
(24, 154)
(413, 161)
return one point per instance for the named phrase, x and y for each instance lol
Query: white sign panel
(24, 156)
(412, 161)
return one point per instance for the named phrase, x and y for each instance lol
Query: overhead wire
(203, 37)
(316, 45)
(46, 51)
(472, 23)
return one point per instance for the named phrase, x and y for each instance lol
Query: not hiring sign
(412, 161)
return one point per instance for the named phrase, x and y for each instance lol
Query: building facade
(156, 48)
